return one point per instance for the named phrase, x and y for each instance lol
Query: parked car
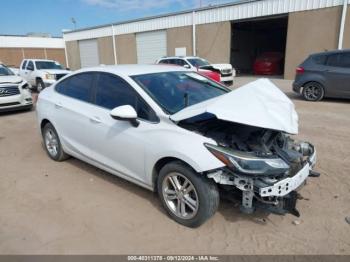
(324, 74)
(269, 63)
(225, 71)
(14, 91)
(41, 73)
(181, 134)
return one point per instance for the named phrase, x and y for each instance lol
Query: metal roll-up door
(89, 53)
(151, 46)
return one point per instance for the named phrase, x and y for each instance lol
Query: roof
(337, 51)
(185, 57)
(130, 70)
(40, 60)
(239, 10)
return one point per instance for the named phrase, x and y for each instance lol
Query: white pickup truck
(41, 73)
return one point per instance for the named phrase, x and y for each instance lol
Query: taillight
(300, 70)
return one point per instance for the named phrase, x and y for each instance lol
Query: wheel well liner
(43, 123)
(160, 164)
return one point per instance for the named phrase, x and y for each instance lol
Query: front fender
(187, 147)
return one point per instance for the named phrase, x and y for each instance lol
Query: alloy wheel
(312, 92)
(180, 195)
(51, 142)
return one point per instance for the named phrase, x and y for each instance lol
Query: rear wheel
(189, 198)
(313, 91)
(53, 144)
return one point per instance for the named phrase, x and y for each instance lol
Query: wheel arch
(43, 123)
(160, 164)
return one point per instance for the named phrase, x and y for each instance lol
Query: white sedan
(176, 132)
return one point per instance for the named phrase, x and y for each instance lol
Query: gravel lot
(74, 208)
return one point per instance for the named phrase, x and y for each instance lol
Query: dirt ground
(74, 208)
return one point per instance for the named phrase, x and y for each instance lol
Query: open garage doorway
(258, 46)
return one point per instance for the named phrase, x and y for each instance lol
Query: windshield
(174, 91)
(4, 71)
(47, 65)
(198, 62)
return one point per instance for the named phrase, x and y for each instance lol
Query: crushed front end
(266, 167)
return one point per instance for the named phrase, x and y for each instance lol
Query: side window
(77, 86)
(320, 59)
(333, 60)
(172, 61)
(180, 62)
(24, 64)
(344, 60)
(113, 91)
(164, 61)
(30, 65)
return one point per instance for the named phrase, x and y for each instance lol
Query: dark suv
(324, 74)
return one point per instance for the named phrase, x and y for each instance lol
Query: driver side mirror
(125, 113)
(187, 66)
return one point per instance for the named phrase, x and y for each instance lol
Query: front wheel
(189, 198)
(313, 91)
(40, 85)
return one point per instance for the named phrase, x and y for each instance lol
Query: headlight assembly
(247, 163)
(50, 77)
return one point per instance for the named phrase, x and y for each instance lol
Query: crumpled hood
(13, 79)
(259, 103)
(56, 71)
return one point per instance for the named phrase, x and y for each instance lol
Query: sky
(19, 17)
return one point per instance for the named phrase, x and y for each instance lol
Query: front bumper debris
(275, 196)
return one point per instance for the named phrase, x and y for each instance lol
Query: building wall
(126, 49)
(14, 56)
(73, 55)
(213, 41)
(310, 32)
(57, 54)
(179, 37)
(11, 56)
(105, 50)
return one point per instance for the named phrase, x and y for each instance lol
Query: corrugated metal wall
(218, 14)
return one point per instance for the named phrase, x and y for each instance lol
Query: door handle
(95, 120)
(58, 105)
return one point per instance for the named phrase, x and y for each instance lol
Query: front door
(118, 144)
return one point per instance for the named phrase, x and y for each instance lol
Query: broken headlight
(248, 163)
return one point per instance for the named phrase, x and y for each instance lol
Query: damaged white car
(178, 133)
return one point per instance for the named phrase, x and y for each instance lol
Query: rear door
(74, 113)
(338, 74)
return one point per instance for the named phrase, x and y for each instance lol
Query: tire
(191, 204)
(313, 91)
(40, 85)
(52, 143)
